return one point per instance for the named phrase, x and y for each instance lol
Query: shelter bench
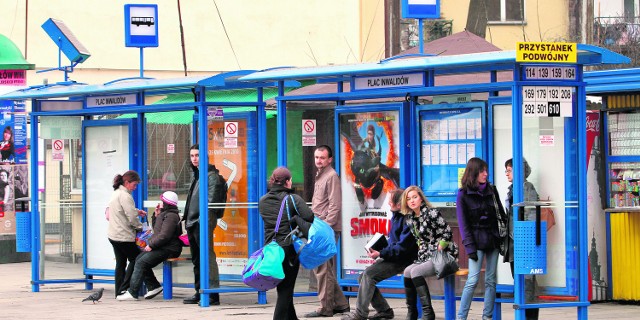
(167, 282)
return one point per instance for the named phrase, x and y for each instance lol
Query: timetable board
(448, 139)
(547, 101)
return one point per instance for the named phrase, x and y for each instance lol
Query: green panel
(272, 146)
(294, 146)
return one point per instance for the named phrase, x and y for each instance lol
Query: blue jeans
(489, 283)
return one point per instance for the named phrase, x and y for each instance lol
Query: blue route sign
(421, 9)
(141, 25)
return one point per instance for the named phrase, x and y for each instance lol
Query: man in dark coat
(192, 224)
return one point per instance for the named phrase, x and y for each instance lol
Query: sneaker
(126, 297)
(152, 293)
(194, 299)
(353, 316)
(387, 314)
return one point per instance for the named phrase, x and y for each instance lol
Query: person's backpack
(220, 195)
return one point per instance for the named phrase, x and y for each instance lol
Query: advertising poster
(596, 219)
(7, 211)
(369, 163)
(231, 236)
(13, 146)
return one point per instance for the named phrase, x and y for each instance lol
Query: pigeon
(94, 296)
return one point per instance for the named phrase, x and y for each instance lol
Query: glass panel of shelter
(543, 145)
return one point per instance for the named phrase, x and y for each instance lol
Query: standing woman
(530, 194)
(478, 207)
(5, 191)
(123, 225)
(269, 207)
(432, 233)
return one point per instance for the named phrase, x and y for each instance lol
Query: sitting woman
(432, 233)
(163, 244)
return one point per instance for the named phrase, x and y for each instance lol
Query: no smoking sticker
(231, 129)
(57, 152)
(308, 127)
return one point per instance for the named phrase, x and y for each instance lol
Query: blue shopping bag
(318, 247)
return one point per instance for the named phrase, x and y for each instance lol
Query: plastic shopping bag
(145, 234)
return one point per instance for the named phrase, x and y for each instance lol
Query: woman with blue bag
(269, 207)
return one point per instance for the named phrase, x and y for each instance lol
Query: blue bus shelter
(83, 135)
(417, 120)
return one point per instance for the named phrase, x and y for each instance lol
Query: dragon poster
(369, 166)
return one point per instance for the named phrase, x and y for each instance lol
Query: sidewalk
(63, 301)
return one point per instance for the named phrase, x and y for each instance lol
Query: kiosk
(619, 90)
(83, 135)
(387, 131)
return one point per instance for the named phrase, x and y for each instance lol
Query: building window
(505, 10)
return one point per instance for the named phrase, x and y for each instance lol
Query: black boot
(412, 299)
(425, 298)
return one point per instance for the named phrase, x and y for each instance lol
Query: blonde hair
(404, 206)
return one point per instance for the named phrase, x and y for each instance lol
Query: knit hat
(169, 197)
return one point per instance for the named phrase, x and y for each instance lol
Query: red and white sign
(230, 143)
(309, 141)
(547, 140)
(308, 132)
(13, 77)
(57, 150)
(171, 148)
(308, 127)
(230, 130)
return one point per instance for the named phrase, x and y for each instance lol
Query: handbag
(318, 247)
(547, 214)
(264, 268)
(184, 238)
(145, 234)
(444, 263)
(503, 226)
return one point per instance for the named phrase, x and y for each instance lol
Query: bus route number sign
(549, 73)
(547, 101)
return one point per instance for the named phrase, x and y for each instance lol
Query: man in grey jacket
(327, 205)
(192, 224)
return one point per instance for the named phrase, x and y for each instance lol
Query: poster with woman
(13, 149)
(7, 212)
(369, 167)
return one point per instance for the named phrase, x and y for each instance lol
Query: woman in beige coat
(123, 225)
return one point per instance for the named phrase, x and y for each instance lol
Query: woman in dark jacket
(163, 244)
(269, 207)
(478, 206)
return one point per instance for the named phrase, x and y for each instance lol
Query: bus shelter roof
(612, 81)
(223, 81)
(441, 65)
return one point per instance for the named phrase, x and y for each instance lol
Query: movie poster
(7, 212)
(597, 226)
(369, 161)
(231, 240)
(13, 143)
